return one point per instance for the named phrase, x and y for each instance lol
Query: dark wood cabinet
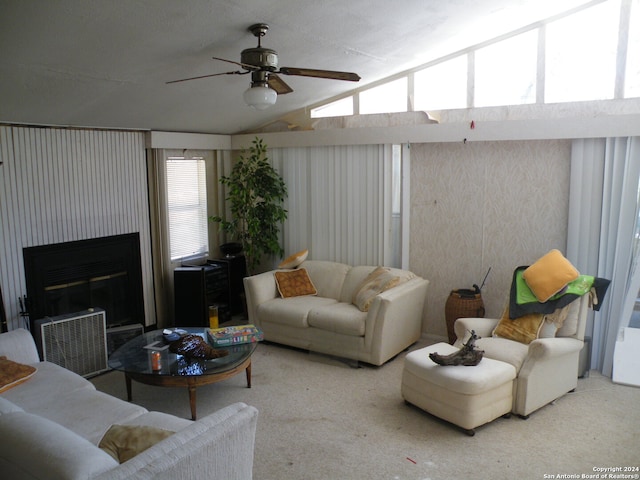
(236, 270)
(218, 282)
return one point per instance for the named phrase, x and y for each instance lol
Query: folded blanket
(522, 301)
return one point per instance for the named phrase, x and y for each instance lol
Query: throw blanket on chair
(522, 301)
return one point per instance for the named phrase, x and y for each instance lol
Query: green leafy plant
(256, 193)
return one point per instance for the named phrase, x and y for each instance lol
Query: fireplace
(68, 277)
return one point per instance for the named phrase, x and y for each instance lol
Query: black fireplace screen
(69, 277)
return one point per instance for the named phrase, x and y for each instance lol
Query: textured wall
(481, 205)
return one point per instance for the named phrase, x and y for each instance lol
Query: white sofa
(329, 322)
(51, 424)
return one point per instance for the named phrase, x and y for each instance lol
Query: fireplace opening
(68, 277)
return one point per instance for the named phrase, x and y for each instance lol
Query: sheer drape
(603, 208)
(162, 265)
(339, 202)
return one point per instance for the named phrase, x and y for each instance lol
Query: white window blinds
(186, 206)
(339, 202)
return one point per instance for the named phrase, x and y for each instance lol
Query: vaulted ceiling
(105, 63)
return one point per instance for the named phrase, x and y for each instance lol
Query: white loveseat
(329, 322)
(51, 424)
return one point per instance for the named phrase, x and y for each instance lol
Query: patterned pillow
(378, 281)
(295, 283)
(12, 373)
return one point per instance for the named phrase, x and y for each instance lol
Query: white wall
(61, 185)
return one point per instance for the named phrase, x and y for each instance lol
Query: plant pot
(462, 303)
(231, 249)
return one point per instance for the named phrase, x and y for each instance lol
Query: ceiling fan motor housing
(264, 58)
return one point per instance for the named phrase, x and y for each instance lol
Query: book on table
(235, 335)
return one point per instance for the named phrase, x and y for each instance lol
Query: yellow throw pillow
(295, 283)
(292, 261)
(549, 274)
(378, 281)
(13, 373)
(523, 329)
(123, 442)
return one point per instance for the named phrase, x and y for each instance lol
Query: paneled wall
(477, 205)
(60, 185)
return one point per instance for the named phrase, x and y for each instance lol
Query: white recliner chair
(546, 368)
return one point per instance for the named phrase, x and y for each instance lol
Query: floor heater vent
(77, 342)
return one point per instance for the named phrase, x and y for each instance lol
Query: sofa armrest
(544, 348)
(549, 371)
(394, 320)
(220, 445)
(18, 345)
(482, 326)
(258, 289)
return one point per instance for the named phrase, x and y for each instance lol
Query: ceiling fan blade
(330, 74)
(237, 72)
(279, 85)
(243, 65)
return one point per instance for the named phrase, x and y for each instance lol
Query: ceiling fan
(262, 64)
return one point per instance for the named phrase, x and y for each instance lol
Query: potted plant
(256, 193)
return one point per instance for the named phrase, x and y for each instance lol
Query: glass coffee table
(136, 359)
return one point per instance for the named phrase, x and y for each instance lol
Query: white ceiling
(104, 63)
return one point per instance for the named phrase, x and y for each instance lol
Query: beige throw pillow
(378, 281)
(13, 373)
(292, 261)
(124, 442)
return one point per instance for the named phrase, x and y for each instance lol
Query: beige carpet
(323, 419)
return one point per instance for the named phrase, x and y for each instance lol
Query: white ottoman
(465, 396)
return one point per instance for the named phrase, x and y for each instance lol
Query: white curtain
(603, 208)
(339, 202)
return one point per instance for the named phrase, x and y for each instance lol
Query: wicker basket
(460, 304)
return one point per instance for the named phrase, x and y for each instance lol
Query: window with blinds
(187, 206)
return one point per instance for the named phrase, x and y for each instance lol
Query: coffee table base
(189, 381)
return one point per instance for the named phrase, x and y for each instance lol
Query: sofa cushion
(34, 447)
(570, 324)
(549, 274)
(160, 420)
(353, 280)
(89, 413)
(342, 318)
(327, 277)
(13, 373)
(292, 261)
(294, 283)
(504, 350)
(50, 381)
(18, 345)
(487, 375)
(8, 407)
(292, 312)
(124, 442)
(378, 281)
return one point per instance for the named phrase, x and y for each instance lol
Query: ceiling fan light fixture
(260, 97)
